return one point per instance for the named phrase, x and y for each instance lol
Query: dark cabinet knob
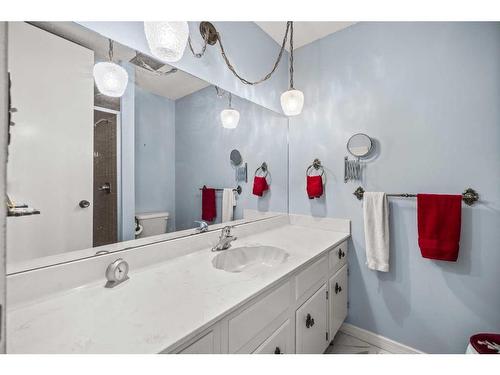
(341, 254)
(84, 203)
(277, 350)
(338, 288)
(309, 321)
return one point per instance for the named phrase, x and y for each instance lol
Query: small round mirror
(359, 145)
(235, 157)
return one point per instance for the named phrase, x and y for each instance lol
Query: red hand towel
(439, 220)
(208, 210)
(259, 186)
(314, 186)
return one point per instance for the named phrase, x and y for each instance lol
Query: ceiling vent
(151, 64)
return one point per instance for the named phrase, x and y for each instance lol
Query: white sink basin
(241, 258)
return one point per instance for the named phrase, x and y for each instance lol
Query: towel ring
(316, 164)
(263, 169)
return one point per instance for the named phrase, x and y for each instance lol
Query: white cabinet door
(51, 151)
(257, 318)
(311, 324)
(277, 343)
(338, 300)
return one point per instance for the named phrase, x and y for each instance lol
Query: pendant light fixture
(230, 116)
(292, 100)
(110, 78)
(167, 40)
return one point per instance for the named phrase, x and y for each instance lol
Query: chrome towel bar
(236, 189)
(469, 196)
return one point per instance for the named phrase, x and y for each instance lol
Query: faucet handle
(203, 225)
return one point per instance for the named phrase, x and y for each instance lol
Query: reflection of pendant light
(292, 100)
(110, 78)
(167, 40)
(229, 116)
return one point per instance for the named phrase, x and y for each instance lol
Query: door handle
(309, 321)
(84, 203)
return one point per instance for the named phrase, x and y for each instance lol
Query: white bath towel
(376, 219)
(228, 203)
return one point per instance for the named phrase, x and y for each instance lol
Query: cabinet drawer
(203, 345)
(338, 300)
(277, 343)
(311, 324)
(251, 321)
(338, 256)
(310, 277)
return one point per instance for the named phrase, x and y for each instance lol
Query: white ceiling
(172, 86)
(303, 32)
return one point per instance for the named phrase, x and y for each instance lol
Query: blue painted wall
(251, 50)
(429, 94)
(154, 154)
(203, 147)
(127, 137)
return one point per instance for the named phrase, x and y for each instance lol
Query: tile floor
(347, 344)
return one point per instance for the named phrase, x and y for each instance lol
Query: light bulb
(111, 79)
(167, 40)
(230, 118)
(292, 102)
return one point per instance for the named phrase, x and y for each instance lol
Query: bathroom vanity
(299, 315)
(180, 299)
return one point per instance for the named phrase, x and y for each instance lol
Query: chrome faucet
(225, 239)
(203, 226)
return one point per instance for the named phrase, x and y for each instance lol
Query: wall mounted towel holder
(263, 168)
(469, 196)
(316, 164)
(236, 189)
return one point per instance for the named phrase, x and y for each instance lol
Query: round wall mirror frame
(359, 145)
(235, 157)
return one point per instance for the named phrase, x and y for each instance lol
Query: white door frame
(118, 167)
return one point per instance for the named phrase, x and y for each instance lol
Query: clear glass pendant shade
(167, 40)
(111, 79)
(230, 118)
(292, 102)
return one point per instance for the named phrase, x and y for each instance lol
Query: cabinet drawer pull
(309, 321)
(277, 350)
(341, 254)
(338, 288)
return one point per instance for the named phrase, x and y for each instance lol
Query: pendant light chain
(291, 55)
(203, 49)
(289, 26)
(110, 52)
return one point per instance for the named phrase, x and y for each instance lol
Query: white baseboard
(377, 340)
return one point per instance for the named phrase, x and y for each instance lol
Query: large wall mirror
(87, 172)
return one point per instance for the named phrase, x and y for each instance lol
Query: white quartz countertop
(160, 305)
